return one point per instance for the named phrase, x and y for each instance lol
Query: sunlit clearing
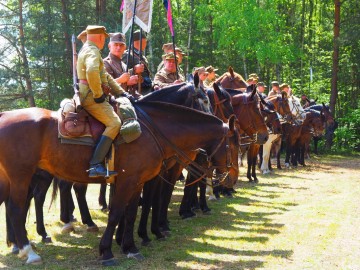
(196, 265)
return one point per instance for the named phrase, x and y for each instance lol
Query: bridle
(182, 158)
(197, 95)
(295, 107)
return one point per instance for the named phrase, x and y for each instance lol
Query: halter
(219, 108)
(296, 108)
(197, 94)
(181, 155)
(253, 124)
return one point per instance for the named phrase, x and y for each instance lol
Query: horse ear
(253, 93)
(307, 100)
(232, 123)
(196, 80)
(231, 71)
(316, 100)
(217, 89)
(323, 104)
(283, 94)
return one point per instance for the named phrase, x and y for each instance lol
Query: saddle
(81, 128)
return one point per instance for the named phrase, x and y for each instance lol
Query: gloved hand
(129, 96)
(100, 99)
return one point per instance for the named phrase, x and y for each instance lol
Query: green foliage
(348, 132)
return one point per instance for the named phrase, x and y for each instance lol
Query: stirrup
(98, 170)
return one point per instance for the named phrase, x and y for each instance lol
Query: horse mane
(316, 107)
(165, 91)
(233, 92)
(191, 115)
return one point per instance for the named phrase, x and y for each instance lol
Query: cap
(275, 83)
(117, 38)
(136, 35)
(96, 29)
(167, 46)
(251, 78)
(169, 56)
(283, 86)
(177, 49)
(82, 35)
(201, 70)
(254, 76)
(211, 69)
(261, 84)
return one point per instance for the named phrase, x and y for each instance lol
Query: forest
(312, 45)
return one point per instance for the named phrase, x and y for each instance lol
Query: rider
(90, 67)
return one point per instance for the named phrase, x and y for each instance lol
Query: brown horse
(232, 80)
(33, 137)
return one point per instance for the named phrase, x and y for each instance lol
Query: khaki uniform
(90, 67)
(208, 83)
(115, 67)
(146, 85)
(273, 93)
(164, 78)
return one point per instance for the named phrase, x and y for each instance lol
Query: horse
(177, 124)
(232, 80)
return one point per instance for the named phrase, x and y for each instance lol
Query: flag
(122, 6)
(167, 5)
(143, 14)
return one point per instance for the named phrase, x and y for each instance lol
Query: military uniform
(208, 83)
(273, 92)
(146, 85)
(164, 78)
(91, 74)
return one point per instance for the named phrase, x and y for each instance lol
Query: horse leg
(102, 197)
(80, 192)
(148, 194)
(202, 198)
(316, 140)
(66, 206)
(128, 243)
(155, 204)
(249, 162)
(16, 208)
(261, 151)
(40, 190)
(185, 210)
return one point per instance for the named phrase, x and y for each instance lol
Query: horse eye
(206, 101)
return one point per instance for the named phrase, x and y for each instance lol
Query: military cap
(96, 29)
(117, 38)
(201, 70)
(251, 78)
(82, 35)
(177, 49)
(167, 46)
(261, 84)
(254, 76)
(136, 35)
(210, 69)
(169, 56)
(275, 83)
(283, 86)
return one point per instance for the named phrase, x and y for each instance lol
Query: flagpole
(131, 37)
(176, 64)
(140, 55)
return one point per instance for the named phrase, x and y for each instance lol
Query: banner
(143, 14)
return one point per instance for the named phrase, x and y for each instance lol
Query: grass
(305, 218)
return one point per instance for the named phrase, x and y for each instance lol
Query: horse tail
(55, 190)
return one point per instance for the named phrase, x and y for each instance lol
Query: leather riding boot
(97, 168)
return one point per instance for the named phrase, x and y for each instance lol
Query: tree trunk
(335, 68)
(25, 63)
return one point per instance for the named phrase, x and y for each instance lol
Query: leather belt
(83, 82)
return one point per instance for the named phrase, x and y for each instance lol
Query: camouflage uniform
(90, 68)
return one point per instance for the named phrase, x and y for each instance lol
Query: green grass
(305, 218)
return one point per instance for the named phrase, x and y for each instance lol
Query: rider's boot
(97, 168)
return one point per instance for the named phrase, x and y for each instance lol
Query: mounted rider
(90, 70)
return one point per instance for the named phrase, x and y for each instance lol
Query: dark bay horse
(33, 134)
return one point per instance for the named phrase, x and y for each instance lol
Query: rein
(181, 153)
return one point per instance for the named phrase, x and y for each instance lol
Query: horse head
(232, 80)
(296, 109)
(225, 159)
(220, 102)
(329, 119)
(281, 104)
(272, 120)
(247, 110)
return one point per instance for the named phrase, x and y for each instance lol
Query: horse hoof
(104, 210)
(46, 240)
(188, 215)
(93, 228)
(212, 198)
(36, 260)
(166, 233)
(207, 211)
(109, 262)
(15, 249)
(136, 256)
(68, 228)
